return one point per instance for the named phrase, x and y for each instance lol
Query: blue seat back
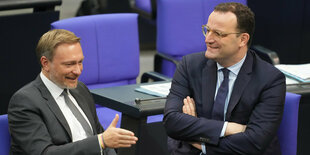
(179, 27)
(110, 45)
(287, 132)
(5, 139)
(106, 115)
(144, 5)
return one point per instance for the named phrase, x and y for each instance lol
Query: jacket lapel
(84, 106)
(241, 82)
(53, 105)
(209, 77)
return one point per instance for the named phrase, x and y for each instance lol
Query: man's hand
(117, 137)
(189, 106)
(233, 128)
(196, 145)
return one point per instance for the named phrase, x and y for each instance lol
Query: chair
(106, 115)
(110, 45)
(145, 8)
(266, 54)
(287, 132)
(179, 30)
(5, 140)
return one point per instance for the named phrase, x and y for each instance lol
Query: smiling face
(66, 65)
(227, 49)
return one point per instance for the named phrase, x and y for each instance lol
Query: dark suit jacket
(37, 125)
(257, 100)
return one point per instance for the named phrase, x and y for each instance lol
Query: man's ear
(44, 63)
(245, 37)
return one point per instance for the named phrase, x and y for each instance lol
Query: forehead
(222, 21)
(68, 51)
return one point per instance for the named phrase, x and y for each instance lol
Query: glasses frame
(217, 33)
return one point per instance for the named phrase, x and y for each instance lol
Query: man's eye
(217, 33)
(207, 30)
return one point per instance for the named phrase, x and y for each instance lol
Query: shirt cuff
(101, 150)
(203, 148)
(224, 129)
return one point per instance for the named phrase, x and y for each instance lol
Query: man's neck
(237, 58)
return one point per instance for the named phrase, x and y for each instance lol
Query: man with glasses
(225, 100)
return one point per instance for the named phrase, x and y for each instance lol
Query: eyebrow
(214, 29)
(73, 61)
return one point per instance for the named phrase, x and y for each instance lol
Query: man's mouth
(213, 47)
(71, 78)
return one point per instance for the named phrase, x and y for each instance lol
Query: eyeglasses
(218, 34)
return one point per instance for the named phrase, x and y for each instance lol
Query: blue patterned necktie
(219, 103)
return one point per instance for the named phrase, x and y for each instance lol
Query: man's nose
(78, 69)
(209, 38)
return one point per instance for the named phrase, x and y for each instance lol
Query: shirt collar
(51, 86)
(234, 68)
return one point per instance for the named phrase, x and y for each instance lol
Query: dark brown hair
(245, 17)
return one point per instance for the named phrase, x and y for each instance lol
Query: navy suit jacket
(37, 125)
(257, 100)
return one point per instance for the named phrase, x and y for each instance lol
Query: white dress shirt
(77, 131)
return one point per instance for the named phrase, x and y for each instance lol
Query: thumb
(115, 120)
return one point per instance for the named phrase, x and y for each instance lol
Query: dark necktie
(219, 103)
(77, 114)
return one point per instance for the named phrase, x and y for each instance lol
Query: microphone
(138, 100)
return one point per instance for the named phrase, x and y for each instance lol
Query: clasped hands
(189, 108)
(117, 137)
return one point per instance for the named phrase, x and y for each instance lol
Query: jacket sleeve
(262, 126)
(29, 131)
(181, 126)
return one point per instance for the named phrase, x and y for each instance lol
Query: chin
(210, 55)
(71, 86)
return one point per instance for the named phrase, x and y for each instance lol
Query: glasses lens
(204, 30)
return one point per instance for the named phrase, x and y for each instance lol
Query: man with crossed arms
(225, 100)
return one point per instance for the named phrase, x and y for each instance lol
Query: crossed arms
(252, 123)
(189, 108)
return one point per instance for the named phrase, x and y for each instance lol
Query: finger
(193, 106)
(118, 145)
(185, 102)
(115, 120)
(244, 127)
(125, 132)
(187, 110)
(193, 101)
(126, 142)
(184, 109)
(190, 107)
(124, 145)
(187, 106)
(128, 138)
